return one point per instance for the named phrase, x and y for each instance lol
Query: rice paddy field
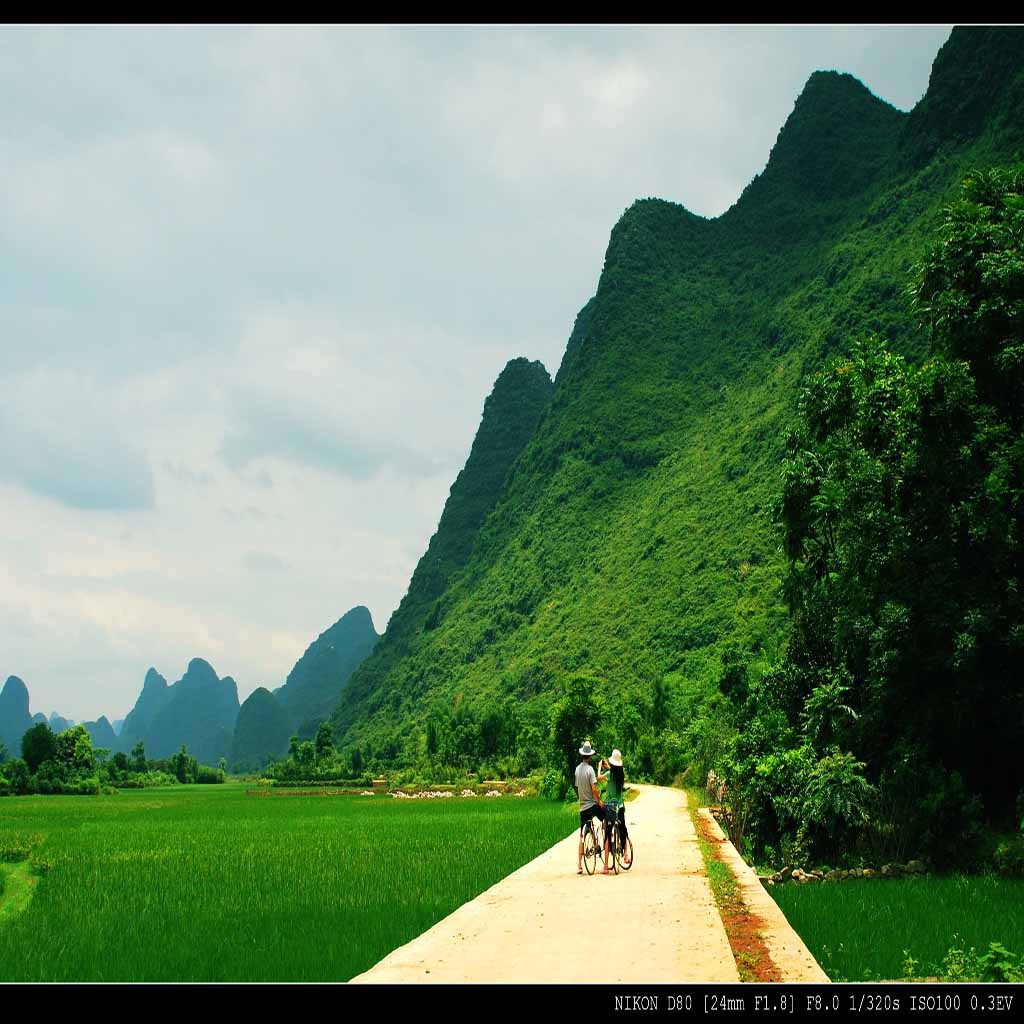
(859, 929)
(207, 883)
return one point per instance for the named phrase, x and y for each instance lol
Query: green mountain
(627, 548)
(199, 710)
(510, 416)
(14, 715)
(262, 731)
(102, 733)
(15, 718)
(315, 683)
(151, 701)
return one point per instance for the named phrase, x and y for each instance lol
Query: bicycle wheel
(621, 854)
(589, 848)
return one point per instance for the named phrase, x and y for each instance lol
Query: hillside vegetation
(632, 554)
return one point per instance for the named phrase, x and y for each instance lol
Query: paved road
(544, 923)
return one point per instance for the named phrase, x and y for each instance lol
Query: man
(590, 801)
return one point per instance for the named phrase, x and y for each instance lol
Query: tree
(38, 745)
(498, 730)
(574, 718)
(324, 741)
(902, 515)
(733, 680)
(357, 762)
(3, 752)
(139, 757)
(75, 752)
(18, 775)
(183, 766)
(971, 289)
(659, 704)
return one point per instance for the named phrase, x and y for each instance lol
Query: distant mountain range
(202, 711)
(267, 720)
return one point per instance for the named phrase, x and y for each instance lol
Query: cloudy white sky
(257, 282)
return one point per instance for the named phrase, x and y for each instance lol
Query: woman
(615, 802)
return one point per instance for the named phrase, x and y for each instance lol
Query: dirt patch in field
(743, 928)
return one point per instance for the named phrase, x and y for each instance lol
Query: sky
(256, 283)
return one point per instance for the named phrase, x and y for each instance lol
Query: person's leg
(604, 820)
(624, 833)
(579, 855)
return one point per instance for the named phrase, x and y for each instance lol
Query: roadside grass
(206, 884)
(744, 939)
(868, 929)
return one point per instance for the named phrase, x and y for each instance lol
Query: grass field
(205, 883)
(859, 929)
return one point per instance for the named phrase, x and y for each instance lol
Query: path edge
(787, 950)
(396, 955)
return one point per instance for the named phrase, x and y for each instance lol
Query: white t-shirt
(586, 779)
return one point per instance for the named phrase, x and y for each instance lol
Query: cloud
(310, 389)
(308, 437)
(257, 283)
(262, 561)
(181, 472)
(61, 439)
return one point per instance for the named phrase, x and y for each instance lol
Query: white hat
(587, 750)
(616, 758)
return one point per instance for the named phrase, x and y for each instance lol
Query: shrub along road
(544, 923)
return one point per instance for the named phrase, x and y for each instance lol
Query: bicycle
(591, 847)
(621, 857)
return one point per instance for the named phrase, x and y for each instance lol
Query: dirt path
(544, 923)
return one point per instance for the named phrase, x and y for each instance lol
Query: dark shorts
(594, 811)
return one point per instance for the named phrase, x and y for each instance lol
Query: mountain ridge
(632, 540)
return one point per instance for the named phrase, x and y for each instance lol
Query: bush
(952, 817)
(836, 799)
(1008, 859)
(998, 964)
(553, 784)
(670, 758)
(205, 775)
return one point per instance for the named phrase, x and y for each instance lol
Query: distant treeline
(67, 763)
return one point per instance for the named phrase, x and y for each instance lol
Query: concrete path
(544, 923)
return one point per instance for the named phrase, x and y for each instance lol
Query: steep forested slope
(150, 703)
(262, 731)
(510, 416)
(315, 683)
(632, 543)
